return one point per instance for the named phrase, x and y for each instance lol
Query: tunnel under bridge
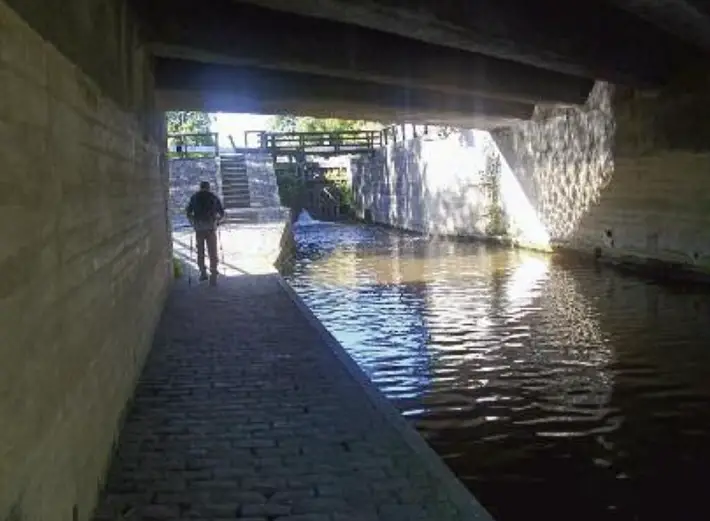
(599, 109)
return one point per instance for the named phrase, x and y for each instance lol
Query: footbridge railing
(315, 143)
(207, 144)
(201, 144)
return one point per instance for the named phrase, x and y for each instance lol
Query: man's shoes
(203, 276)
(213, 279)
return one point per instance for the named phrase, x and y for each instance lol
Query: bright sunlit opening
(236, 125)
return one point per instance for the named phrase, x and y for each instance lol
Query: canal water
(554, 389)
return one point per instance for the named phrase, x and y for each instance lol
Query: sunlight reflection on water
(533, 379)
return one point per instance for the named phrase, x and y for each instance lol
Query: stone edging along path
(460, 496)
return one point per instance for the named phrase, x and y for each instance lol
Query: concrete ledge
(624, 261)
(460, 496)
(661, 270)
(265, 214)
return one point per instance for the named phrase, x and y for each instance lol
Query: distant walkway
(244, 249)
(244, 412)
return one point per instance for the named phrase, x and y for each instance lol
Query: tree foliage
(188, 122)
(283, 124)
(309, 124)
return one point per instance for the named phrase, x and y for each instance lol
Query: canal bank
(248, 409)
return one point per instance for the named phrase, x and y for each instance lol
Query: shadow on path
(244, 412)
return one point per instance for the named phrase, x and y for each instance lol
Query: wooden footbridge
(322, 144)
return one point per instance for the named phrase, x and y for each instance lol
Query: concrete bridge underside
(417, 61)
(86, 262)
(454, 54)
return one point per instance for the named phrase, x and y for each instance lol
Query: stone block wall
(186, 174)
(86, 256)
(427, 185)
(263, 188)
(185, 177)
(562, 160)
(626, 175)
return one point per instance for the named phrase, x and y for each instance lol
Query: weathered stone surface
(186, 174)
(562, 161)
(428, 185)
(237, 372)
(263, 188)
(185, 177)
(624, 174)
(84, 264)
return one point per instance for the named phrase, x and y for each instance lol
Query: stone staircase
(235, 182)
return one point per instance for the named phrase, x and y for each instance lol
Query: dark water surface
(555, 391)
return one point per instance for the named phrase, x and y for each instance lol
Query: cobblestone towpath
(245, 412)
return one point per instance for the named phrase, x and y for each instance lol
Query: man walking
(205, 211)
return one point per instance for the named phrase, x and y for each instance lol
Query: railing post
(231, 141)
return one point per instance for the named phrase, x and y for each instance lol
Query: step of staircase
(235, 182)
(235, 186)
(236, 204)
(235, 192)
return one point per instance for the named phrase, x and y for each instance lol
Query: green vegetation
(293, 189)
(347, 198)
(187, 122)
(308, 124)
(497, 220)
(177, 268)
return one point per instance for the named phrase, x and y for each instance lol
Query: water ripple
(551, 388)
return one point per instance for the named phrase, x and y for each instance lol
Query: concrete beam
(228, 102)
(687, 19)
(185, 85)
(240, 34)
(591, 39)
